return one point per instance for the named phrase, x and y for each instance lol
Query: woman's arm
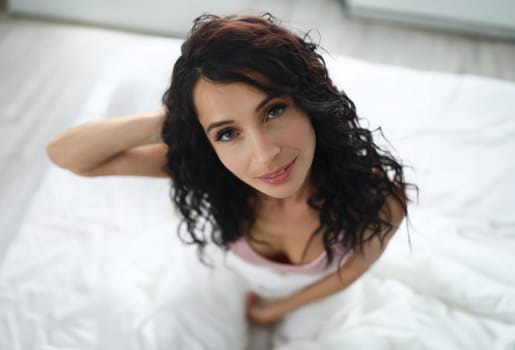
(128, 145)
(267, 313)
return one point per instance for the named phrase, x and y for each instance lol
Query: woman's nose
(264, 148)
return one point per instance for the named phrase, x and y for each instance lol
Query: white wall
(153, 16)
(495, 17)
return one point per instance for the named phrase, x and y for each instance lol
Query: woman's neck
(299, 199)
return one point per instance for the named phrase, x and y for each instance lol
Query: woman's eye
(276, 110)
(225, 135)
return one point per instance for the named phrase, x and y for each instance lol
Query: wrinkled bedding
(97, 264)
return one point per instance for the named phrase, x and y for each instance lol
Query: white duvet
(97, 265)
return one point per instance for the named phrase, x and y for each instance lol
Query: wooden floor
(40, 82)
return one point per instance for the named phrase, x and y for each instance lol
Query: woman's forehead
(222, 100)
(205, 88)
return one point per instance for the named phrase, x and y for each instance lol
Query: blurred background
(463, 36)
(56, 55)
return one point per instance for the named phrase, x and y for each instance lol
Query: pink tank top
(245, 251)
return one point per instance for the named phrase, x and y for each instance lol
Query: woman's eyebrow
(225, 122)
(218, 124)
(264, 102)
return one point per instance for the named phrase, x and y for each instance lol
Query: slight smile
(279, 175)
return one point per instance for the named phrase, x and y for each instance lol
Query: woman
(267, 158)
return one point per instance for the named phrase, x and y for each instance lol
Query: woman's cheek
(233, 163)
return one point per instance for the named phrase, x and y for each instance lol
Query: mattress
(97, 263)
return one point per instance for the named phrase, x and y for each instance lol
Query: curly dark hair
(351, 175)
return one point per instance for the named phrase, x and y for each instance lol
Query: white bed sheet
(97, 263)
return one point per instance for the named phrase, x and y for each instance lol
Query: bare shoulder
(395, 207)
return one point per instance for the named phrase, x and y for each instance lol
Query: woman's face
(266, 142)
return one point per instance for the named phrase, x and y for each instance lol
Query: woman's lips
(278, 176)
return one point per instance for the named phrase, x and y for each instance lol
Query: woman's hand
(264, 312)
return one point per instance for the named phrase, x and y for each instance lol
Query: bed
(96, 263)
